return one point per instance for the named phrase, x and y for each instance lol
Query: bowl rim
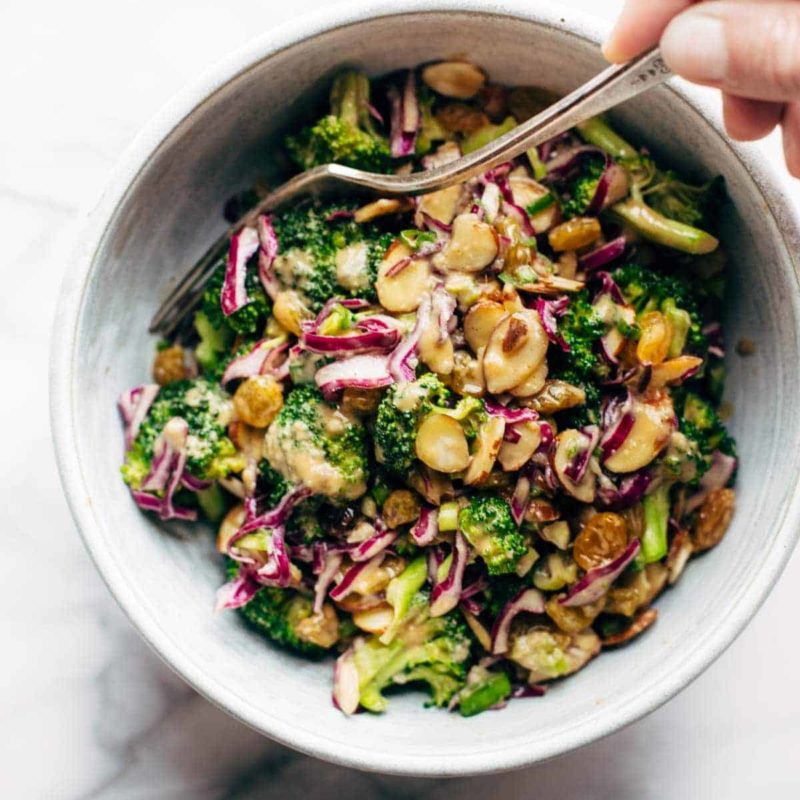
(64, 432)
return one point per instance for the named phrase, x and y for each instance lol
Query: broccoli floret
(213, 346)
(248, 320)
(399, 413)
(276, 613)
(309, 241)
(431, 650)
(648, 289)
(345, 136)
(581, 327)
(699, 421)
(692, 205)
(311, 443)
(204, 406)
(582, 188)
(489, 527)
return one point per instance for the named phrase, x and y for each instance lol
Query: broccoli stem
(598, 132)
(345, 96)
(664, 231)
(448, 516)
(475, 699)
(486, 134)
(212, 502)
(538, 167)
(656, 517)
(681, 321)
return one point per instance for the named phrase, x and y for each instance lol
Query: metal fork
(612, 86)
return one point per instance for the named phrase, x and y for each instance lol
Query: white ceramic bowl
(161, 211)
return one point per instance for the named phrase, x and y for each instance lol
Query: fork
(609, 88)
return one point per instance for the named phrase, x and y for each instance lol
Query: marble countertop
(87, 710)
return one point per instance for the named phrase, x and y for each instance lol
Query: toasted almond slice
(458, 79)
(552, 284)
(437, 355)
(510, 357)
(441, 205)
(380, 208)
(513, 455)
(533, 384)
(441, 444)
(653, 423)
(231, 523)
(374, 620)
(673, 370)
(480, 321)
(525, 191)
(566, 443)
(488, 443)
(472, 246)
(402, 291)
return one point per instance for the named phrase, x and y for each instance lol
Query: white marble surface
(86, 710)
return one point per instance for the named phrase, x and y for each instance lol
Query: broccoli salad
(461, 441)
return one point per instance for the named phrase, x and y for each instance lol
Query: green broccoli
(649, 289)
(700, 423)
(431, 650)
(483, 690)
(400, 594)
(309, 241)
(345, 136)
(276, 613)
(248, 320)
(489, 527)
(683, 202)
(204, 406)
(581, 327)
(399, 414)
(582, 188)
(214, 345)
(656, 507)
(309, 443)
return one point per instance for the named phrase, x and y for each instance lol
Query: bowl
(162, 210)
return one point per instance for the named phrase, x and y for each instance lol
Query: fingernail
(694, 45)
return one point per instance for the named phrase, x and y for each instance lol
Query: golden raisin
(603, 538)
(517, 255)
(170, 365)
(258, 400)
(556, 396)
(360, 401)
(541, 510)
(654, 339)
(289, 310)
(320, 629)
(574, 619)
(461, 118)
(574, 233)
(713, 519)
(400, 508)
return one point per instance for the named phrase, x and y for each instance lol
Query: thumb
(747, 49)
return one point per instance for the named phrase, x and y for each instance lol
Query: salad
(461, 441)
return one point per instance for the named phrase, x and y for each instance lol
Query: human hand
(750, 49)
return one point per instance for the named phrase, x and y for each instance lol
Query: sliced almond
(441, 205)
(402, 291)
(487, 446)
(513, 455)
(526, 191)
(567, 442)
(552, 284)
(480, 321)
(533, 384)
(653, 423)
(503, 369)
(472, 246)
(458, 79)
(613, 340)
(438, 355)
(231, 523)
(374, 620)
(380, 208)
(441, 444)
(673, 370)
